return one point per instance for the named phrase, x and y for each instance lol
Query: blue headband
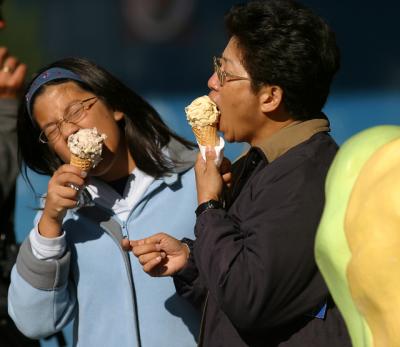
(55, 73)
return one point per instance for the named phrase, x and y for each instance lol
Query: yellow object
(372, 227)
(363, 197)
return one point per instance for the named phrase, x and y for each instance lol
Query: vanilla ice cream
(87, 145)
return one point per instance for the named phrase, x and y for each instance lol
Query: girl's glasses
(76, 113)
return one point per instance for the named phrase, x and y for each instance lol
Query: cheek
(61, 149)
(113, 138)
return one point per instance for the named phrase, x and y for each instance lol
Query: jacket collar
(182, 157)
(290, 136)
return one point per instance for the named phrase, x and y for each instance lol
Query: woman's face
(53, 105)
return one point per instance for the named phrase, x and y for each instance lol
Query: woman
(72, 266)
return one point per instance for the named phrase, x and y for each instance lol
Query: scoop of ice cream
(202, 112)
(87, 144)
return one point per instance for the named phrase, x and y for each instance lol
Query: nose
(213, 82)
(68, 129)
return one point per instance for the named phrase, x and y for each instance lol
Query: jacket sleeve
(41, 300)
(188, 284)
(257, 259)
(8, 146)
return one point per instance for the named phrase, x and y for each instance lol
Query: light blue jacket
(113, 301)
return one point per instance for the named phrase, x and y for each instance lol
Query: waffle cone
(83, 164)
(207, 135)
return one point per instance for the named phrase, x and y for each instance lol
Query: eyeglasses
(75, 114)
(223, 75)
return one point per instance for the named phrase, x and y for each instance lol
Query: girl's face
(54, 104)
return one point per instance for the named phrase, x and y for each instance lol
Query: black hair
(284, 43)
(145, 132)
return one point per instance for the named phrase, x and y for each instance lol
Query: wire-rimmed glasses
(76, 112)
(223, 75)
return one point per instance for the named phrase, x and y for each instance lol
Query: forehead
(232, 54)
(54, 99)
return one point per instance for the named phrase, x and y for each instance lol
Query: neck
(123, 165)
(270, 128)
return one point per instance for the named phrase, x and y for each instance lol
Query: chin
(99, 170)
(227, 138)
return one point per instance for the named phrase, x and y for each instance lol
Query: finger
(126, 245)
(210, 159)
(70, 169)
(135, 243)
(210, 154)
(200, 164)
(3, 54)
(199, 158)
(145, 249)
(18, 77)
(62, 204)
(226, 166)
(151, 267)
(68, 193)
(70, 180)
(10, 63)
(156, 238)
(227, 178)
(145, 258)
(57, 194)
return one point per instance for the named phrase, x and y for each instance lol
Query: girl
(71, 266)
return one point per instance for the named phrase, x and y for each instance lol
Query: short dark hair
(145, 132)
(284, 43)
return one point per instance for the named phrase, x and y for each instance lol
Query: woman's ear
(270, 98)
(118, 115)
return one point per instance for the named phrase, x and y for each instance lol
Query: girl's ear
(118, 115)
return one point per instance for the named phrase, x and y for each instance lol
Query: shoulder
(182, 156)
(316, 153)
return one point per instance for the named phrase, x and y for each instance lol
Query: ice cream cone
(203, 116)
(83, 164)
(86, 146)
(206, 135)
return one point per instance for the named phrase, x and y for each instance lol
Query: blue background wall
(163, 50)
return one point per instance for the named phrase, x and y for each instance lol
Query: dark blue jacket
(255, 258)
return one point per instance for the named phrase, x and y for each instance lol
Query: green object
(331, 248)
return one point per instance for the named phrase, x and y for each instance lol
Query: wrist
(208, 205)
(188, 245)
(203, 199)
(49, 228)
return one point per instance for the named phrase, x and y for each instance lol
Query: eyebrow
(67, 109)
(226, 60)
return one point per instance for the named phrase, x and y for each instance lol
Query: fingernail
(83, 174)
(158, 258)
(158, 246)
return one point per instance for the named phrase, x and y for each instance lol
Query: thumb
(126, 246)
(210, 156)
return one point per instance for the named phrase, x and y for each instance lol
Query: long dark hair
(145, 132)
